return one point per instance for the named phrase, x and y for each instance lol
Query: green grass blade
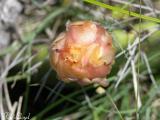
(122, 10)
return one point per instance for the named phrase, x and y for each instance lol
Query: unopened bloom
(84, 53)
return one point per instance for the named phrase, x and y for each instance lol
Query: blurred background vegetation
(29, 87)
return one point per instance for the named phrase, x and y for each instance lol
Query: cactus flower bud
(84, 53)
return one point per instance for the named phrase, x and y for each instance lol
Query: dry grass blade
(133, 47)
(135, 80)
(34, 67)
(144, 56)
(136, 43)
(149, 7)
(2, 116)
(16, 61)
(122, 73)
(150, 4)
(12, 112)
(19, 107)
(7, 98)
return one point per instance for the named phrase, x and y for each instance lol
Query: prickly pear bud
(83, 53)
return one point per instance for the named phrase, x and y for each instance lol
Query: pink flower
(84, 53)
